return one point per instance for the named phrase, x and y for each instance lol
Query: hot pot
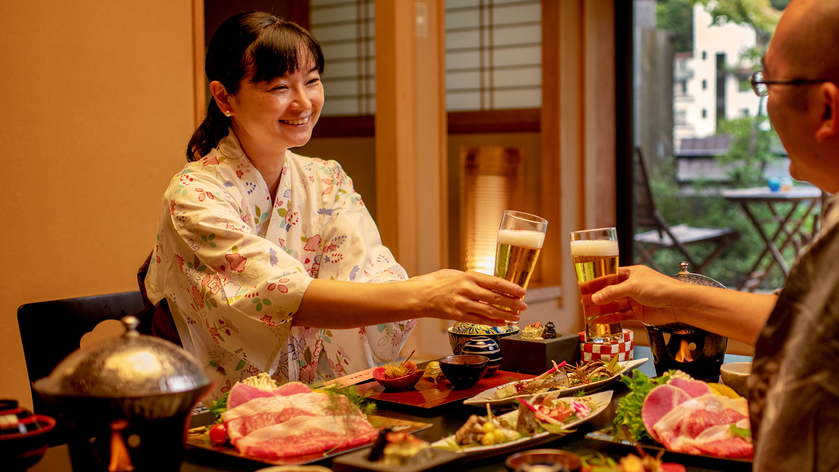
(132, 395)
(680, 346)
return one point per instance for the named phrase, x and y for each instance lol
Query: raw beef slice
(243, 393)
(658, 403)
(694, 388)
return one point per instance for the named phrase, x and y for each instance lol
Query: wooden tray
(197, 437)
(427, 394)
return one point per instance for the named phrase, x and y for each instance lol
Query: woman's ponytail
(209, 133)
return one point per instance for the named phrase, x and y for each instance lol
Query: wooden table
(784, 228)
(445, 420)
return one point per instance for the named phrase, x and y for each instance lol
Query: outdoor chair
(662, 235)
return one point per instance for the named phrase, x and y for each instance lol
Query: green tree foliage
(760, 15)
(676, 16)
(751, 150)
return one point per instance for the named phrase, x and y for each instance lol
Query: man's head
(806, 46)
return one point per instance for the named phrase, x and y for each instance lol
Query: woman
(259, 250)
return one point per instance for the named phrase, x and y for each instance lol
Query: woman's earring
(227, 114)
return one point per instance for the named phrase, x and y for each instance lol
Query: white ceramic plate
(488, 395)
(601, 400)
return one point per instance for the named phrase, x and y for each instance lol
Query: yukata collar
(230, 147)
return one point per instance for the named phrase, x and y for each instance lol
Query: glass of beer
(520, 239)
(595, 254)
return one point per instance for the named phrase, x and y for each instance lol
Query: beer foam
(594, 248)
(521, 238)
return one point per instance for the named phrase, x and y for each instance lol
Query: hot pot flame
(684, 352)
(120, 460)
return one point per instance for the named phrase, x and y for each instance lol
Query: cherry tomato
(218, 433)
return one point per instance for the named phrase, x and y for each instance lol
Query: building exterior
(711, 83)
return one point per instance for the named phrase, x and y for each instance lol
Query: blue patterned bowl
(484, 346)
(460, 333)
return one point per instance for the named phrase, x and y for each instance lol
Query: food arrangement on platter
(571, 380)
(536, 331)
(561, 377)
(269, 422)
(536, 418)
(397, 448)
(685, 415)
(630, 463)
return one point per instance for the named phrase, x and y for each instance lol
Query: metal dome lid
(132, 365)
(694, 279)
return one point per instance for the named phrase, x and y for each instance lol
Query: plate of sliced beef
(293, 424)
(687, 416)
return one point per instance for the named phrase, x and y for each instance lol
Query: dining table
(444, 420)
(793, 221)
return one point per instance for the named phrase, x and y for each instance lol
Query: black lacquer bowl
(464, 371)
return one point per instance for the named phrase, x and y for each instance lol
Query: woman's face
(278, 114)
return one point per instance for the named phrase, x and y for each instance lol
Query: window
(346, 32)
(704, 84)
(704, 55)
(704, 113)
(493, 54)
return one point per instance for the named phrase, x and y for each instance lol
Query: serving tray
(608, 435)
(427, 394)
(198, 437)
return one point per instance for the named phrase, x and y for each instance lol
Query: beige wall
(97, 109)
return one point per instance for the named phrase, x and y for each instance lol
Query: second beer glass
(595, 254)
(520, 239)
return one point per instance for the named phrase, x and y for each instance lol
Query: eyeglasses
(760, 86)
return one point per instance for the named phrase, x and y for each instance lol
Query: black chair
(662, 235)
(51, 330)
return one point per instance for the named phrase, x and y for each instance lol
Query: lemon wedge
(723, 390)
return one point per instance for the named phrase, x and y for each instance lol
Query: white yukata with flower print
(234, 268)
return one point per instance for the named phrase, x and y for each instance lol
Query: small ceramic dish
(736, 376)
(464, 371)
(399, 383)
(567, 461)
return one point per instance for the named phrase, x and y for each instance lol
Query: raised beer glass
(595, 254)
(520, 239)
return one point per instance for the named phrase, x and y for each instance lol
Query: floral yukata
(233, 267)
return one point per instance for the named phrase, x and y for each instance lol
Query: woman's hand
(636, 292)
(471, 297)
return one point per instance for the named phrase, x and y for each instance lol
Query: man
(794, 388)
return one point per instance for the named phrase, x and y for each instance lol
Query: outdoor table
(445, 420)
(789, 230)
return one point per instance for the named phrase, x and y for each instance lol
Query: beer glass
(595, 254)
(520, 239)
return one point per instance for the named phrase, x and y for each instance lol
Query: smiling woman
(260, 251)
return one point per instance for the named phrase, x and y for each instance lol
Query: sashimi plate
(488, 395)
(198, 437)
(601, 401)
(608, 435)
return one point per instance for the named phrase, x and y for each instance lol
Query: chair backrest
(644, 204)
(51, 330)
